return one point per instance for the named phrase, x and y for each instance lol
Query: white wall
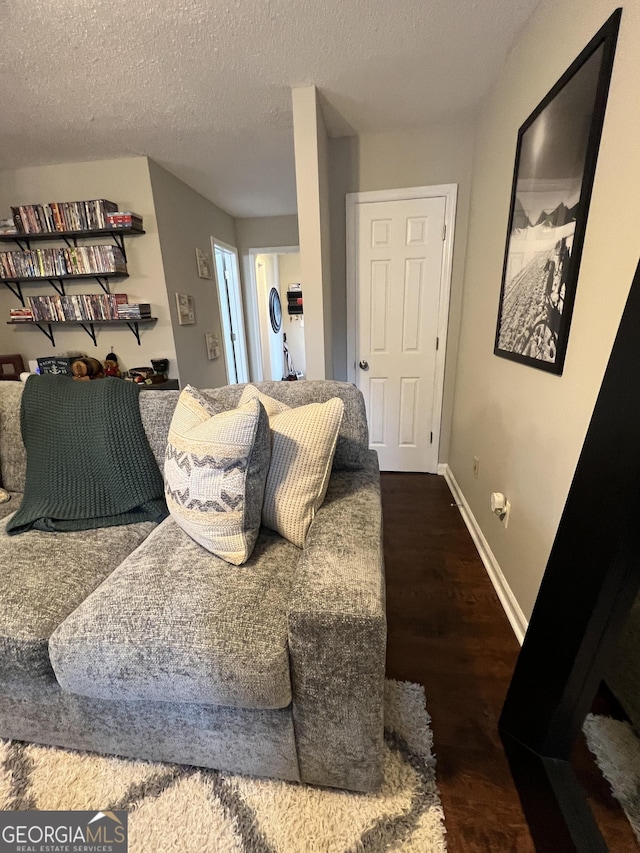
(127, 183)
(442, 154)
(187, 220)
(527, 426)
(263, 232)
(290, 273)
(312, 188)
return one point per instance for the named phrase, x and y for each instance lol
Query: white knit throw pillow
(303, 444)
(215, 471)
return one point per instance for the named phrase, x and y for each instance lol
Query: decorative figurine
(111, 366)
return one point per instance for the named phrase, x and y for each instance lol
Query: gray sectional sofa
(276, 667)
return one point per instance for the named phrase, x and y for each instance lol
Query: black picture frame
(555, 165)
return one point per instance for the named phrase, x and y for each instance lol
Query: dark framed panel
(589, 585)
(555, 165)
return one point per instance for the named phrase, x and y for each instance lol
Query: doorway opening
(231, 316)
(279, 329)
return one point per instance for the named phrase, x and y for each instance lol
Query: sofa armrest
(337, 637)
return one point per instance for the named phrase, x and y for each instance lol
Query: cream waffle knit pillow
(215, 471)
(303, 443)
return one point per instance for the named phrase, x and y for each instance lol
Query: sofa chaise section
(317, 614)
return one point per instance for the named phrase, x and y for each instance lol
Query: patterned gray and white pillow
(303, 445)
(216, 466)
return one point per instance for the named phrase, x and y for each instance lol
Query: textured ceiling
(204, 87)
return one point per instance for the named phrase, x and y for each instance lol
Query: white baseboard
(508, 600)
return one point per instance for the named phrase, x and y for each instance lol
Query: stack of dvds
(124, 219)
(134, 311)
(7, 226)
(21, 315)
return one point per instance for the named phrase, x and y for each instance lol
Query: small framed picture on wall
(186, 309)
(205, 267)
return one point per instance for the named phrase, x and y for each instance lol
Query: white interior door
(399, 269)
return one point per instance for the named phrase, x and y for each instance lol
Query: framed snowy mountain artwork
(555, 165)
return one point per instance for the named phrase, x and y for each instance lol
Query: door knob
(364, 365)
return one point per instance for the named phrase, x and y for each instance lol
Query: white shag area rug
(617, 750)
(174, 808)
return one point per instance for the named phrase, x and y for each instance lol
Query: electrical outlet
(476, 467)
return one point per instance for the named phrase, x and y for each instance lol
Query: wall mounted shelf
(71, 237)
(57, 281)
(87, 325)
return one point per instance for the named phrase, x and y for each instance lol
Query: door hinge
(437, 344)
(444, 231)
(431, 439)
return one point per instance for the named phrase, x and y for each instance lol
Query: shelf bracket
(16, 290)
(58, 285)
(104, 283)
(118, 239)
(48, 332)
(135, 329)
(90, 329)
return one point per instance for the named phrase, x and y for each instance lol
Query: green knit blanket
(89, 463)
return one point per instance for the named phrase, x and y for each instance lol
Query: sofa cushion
(44, 578)
(13, 456)
(303, 445)
(176, 623)
(215, 471)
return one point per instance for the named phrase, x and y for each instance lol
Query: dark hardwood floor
(448, 632)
